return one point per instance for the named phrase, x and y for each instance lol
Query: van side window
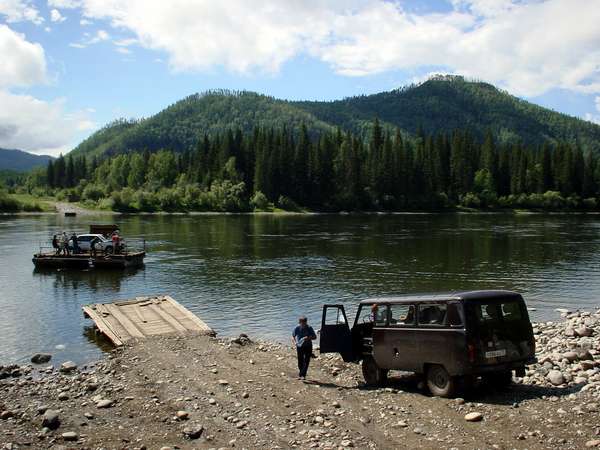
(432, 314)
(454, 315)
(402, 315)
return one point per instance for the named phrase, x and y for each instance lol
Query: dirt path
(246, 396)
(63, 207)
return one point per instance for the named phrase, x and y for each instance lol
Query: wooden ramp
(144, 317)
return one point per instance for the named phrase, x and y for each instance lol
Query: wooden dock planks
(143, 317)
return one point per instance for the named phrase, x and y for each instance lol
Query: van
(450, 339)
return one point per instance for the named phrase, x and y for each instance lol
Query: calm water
(256, 274)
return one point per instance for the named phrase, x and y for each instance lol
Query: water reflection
(90, 279)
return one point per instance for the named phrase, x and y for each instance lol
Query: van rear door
(335, 332)
(499, 330)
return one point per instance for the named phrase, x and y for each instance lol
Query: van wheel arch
(372, 373)
(439, 381)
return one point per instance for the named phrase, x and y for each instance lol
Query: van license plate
(495, 353)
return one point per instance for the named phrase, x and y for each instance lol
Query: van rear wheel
(439, 381)
(373, 375)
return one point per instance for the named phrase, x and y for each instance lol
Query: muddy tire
(499, 380)
(373, 375)
(439, 381)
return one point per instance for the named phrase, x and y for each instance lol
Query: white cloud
(125, 42)
(241, 36)
(100, 36)
(56, 16)
(64, 4)
(38, 126)
(23, 62)
(526, 46)
(123, 50)
(85, 22)
(20, 11)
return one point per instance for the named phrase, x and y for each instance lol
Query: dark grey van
(449, 338)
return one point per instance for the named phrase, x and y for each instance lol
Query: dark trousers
(304, 354)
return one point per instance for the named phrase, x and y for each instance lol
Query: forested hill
(180, 126)
(20, 161)
(441, 104)
(447, 103)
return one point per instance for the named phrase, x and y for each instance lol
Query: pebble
(223, 382)
(346, 443)
(70, 436)
(105, 403)
(63, 396)
(51, 419)
(593, 443)
(182, 415)
(4, 415)
(474, 417)
(68, 367)
(193, 431)
(555, 377)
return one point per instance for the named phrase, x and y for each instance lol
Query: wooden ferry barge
(125, 258)
(85, 261)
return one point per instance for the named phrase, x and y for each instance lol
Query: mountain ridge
(21, 161)
(442, 103)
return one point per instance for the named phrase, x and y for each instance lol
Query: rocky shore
(204, 392)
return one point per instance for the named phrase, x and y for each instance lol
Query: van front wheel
(439, 381)
(373, 375)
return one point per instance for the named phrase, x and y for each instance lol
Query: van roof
(444, 296)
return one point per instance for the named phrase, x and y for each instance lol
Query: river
(257, 273)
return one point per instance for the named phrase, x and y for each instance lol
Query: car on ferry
(450, 339)
(84, 242)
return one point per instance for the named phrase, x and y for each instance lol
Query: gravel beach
(205, 392)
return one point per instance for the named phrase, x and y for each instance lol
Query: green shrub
(9, 204)
(226, 196)
(93, 192)
(590, 203)
(287, 204)
(470, 200)
(259, 201)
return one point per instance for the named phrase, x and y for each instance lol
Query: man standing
(302, 338)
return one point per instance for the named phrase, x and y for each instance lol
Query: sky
(69, 67)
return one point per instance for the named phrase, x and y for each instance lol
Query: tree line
(332, 171)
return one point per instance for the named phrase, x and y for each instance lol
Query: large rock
(51, 419)
(41, 358)
(555, 377)
(584, 331)
(571, 356)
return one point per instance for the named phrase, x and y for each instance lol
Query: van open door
(335, 332)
